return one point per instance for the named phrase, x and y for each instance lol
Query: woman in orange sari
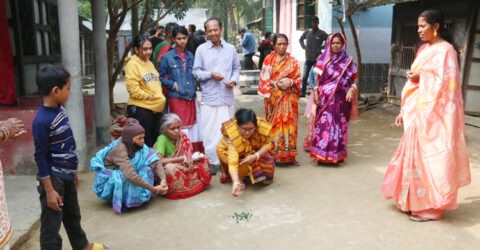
(431, 162)
(279, 85)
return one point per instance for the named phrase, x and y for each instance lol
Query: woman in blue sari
(125, 170)
(336, 92)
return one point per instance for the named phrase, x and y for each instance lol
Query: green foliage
(244, 11)
(85, 8)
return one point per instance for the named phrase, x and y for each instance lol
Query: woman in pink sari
(333, 98)
(431, 162)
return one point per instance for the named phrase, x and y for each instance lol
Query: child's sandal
(98, 246)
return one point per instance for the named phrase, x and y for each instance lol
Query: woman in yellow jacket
(146, 101)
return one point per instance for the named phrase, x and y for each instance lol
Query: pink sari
(431, 162)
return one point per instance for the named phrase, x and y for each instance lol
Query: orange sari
(431, 162)
(281, 106)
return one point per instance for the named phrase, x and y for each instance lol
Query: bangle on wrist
(5, 133)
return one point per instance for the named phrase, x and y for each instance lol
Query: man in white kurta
(217, 70)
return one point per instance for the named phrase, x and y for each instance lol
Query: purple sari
(332, 117)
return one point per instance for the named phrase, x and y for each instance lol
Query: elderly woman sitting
(125, 170)
(244, 150)
(187, 172)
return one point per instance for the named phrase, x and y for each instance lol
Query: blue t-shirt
(55, 148)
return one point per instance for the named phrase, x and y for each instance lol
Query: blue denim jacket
(171, 70)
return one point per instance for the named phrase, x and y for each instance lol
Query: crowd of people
(171, 144)
(192, 140)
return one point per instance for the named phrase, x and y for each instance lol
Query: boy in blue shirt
(56, 159)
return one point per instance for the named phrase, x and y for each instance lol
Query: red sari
(184, 180)
(281, 106)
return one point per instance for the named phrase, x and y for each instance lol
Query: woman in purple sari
(336, 91)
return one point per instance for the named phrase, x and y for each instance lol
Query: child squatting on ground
(57, 163)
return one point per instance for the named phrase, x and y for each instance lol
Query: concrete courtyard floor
(307, 207)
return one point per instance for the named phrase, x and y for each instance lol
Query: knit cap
(131, 129)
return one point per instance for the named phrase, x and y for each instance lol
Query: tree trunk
(231, 16)
(134, 21)
(357, 47)
(111, 42)
(70, 45)
(340, 23)
(102, 92)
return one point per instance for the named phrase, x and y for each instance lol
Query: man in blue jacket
(248, 43)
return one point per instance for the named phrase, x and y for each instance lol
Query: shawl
(337, 69)
(183, 147)
(230, 130)
(111, 184)
(287, 67)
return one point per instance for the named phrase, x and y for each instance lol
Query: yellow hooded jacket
(142, 80)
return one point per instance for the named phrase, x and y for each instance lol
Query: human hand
(399, 120)
(237, 188)
(162, 188)
(14, 126)
(413, 76)
(315, 96)
(230, 84)
(216, 76)
(249, 159)
(284, 83)
(54, 201)
(350, 95)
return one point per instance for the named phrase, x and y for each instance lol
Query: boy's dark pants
(51, 220)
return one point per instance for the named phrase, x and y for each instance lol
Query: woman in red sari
(431, 162)
(187, 172)
(280, 80)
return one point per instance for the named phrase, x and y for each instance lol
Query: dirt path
(306, 208)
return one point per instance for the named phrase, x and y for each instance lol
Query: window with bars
(305, 13)
(39, 28)
(409, 41)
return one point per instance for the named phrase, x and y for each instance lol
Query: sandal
(418, 218)
(98, 246)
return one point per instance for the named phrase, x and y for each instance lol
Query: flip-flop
(98, 246)
(418, 218)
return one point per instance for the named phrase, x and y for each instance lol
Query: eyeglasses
(247, 130)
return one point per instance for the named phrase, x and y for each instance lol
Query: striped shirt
(55, 148)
